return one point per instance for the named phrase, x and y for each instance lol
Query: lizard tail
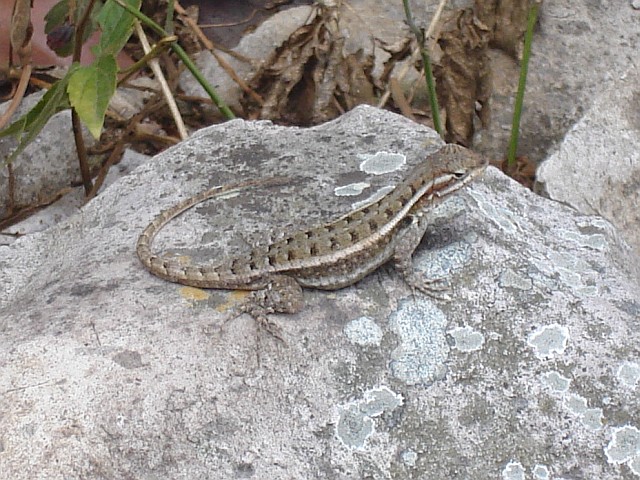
(169, 269)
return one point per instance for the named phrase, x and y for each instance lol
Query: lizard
(328, 256)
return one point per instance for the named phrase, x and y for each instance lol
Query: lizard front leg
(408, 240)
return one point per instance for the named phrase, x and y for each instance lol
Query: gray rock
(70, 203)
(597, 167)
(531, 371)
(46, 166)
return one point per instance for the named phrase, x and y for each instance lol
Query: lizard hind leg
(282, 294)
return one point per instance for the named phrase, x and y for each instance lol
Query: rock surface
(531, 371)
(46, 166)
(597, 167)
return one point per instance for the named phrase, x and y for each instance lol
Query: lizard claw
(261, 315)
(435, 288)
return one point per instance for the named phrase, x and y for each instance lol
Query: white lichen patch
(353, 427)
(575, 404)
(422, 350)
(588, 291)
(513, 471)
(502, 217)
(624, 447)
(541, 472)
(511, 279)
(591, 418)
(629, 374)
(466, 339)
(549, 340)
(557, 383)
(409, 458)
(382, 162)
(437, 263)
(570, 262)
(363, 331)
(351, 190)
(572, 270)
(569, 277)
(378, 400)
(597, 241)
(355, 424)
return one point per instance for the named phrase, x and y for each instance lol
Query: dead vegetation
(311, 78)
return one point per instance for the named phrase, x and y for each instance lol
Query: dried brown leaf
(309, 79)
(360, 87)
(21, 31)
(463, 74)
(524, 171)
(507, 21)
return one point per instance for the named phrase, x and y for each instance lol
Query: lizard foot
(282, 294)
(434, 287)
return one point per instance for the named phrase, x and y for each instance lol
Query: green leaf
(116, 25)
(61, 23)
(29, 125)
(56, 16)
(90, 89)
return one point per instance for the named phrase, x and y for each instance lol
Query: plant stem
(81, 149)
(79, 32)
(522, 82)
(184, 57)
(428, 72)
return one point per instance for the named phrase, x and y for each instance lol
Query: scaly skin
(329, 256)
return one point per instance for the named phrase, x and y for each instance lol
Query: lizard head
(447, 170)
(457, 160)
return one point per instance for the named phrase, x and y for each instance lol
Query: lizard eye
(459, 173)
